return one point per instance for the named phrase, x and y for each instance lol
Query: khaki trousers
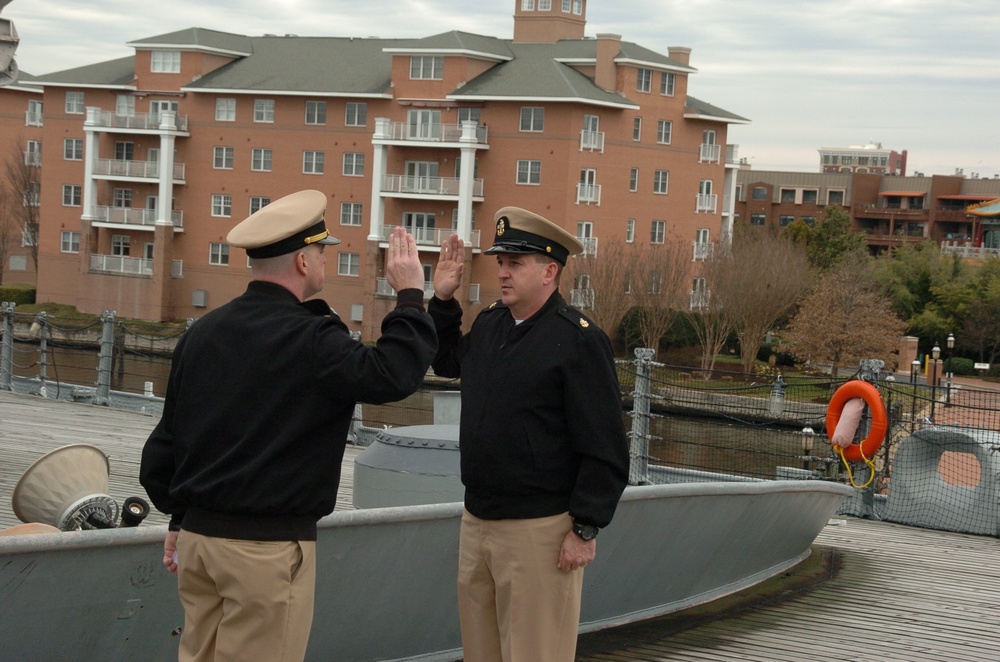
(514, 605)
(245, 599)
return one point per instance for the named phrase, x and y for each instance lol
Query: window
(809, 220)
(578, 7)
(835, 197)
(34, 115)
(667, 84)
(166, 62)
(72, 195)
(124, 151)
(630, 230)
(222, 205)
(787, 195)
(33, 153)
(423, 124)
(69, 242)
(566, 4)
(218, 253)
(759, 193)
(350, 213)
(527, 5)
(125, 105)
(633, 180)
(33, 196)
(120, 244)
(532, 118)
(121, 198)
(758, 219)
(785, 220)
(529, 172)
(810, 196)
(315, 112)
(469, 115)
(636, 128)
(223, 159)
(73, 149)
(225, 110)
(663, 130)
(356, 114)
(312, 163)
(661, 181)
(354, 164)
(348, 264)
(74, 103)
(258, 202)
(657, 232)
(263, 111)
(260, 159)
(426, 67)
(643, 80)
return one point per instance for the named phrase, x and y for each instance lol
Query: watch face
(585, 531)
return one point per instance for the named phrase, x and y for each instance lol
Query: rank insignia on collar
(584, 323)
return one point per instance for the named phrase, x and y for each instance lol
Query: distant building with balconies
(868, 158)
(175, 145)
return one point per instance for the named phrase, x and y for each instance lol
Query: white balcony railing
(119, 264)
(429, 236)
(709, 153)
(444, 133)
(581, 298)
(137, 169)
(592, 140)
(587, 194)
(138, 121)
(703, 250)
(707, 202)
(32, 118)
(700, 299)
(134, 216)
(963, 249)
(32, 159)
(449, 186)
(732, 152)
(589, 245)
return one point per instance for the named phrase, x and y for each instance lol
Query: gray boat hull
(386, 577)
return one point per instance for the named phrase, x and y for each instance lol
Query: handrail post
(7, 347)
(639, 447)
(103, 394)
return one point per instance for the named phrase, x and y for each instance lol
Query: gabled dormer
(168, 62)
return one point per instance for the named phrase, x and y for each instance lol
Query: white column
(466, 180)
(165, 193)
(90, 155)
(383, 128)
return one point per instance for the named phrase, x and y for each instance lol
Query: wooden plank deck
(871, 591)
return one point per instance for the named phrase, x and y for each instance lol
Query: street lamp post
(914, 371)
(947, 367)
(935, 356)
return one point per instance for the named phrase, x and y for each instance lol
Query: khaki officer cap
(522, 231)
(283, 226)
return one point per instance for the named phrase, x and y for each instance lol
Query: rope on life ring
(869, 445)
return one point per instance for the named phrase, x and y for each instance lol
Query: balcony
(965, 249)
(120, 264)
(430, 237)
(707, 202)
(430, 133)
(887, 211)
(700, 299)
(588, 194)
(433, 187)
(592, 140)
(732, 152)
(32, 118)
(709, 153)
(703, 251)
(144, 218)
(148, 170)
(32, 158)
(138, 122)
(589, 246)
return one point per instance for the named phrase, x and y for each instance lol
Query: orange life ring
(857, 388)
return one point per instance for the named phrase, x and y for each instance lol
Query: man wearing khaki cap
(544, 456)
(246, 457)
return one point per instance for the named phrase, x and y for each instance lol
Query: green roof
(704, 109)
(199, 39)
(113, 73)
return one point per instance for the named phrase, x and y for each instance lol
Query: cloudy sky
(920, 75)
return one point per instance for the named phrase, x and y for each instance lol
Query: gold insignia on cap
(584, 323)
(501, 226)
(316, 237)
(548, 249)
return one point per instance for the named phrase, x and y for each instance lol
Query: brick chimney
(538, 26)
(680, 53)
(606, 73)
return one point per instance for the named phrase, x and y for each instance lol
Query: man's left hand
(576, 552)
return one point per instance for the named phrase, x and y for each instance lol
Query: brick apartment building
(891, 211)
(149, 160)
(21, 152)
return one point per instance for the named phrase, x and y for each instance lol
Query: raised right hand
(448, 274)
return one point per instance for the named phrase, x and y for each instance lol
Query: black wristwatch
(585, 531)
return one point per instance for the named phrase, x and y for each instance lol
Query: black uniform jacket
(258, 405)
(542, 430)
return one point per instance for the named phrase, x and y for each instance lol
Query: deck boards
(871, 591)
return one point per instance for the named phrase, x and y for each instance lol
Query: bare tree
(9, 230)
(716, 287)
(769, 275)
(846, 318)
(23, 181)
(660, 278)
(600, 283)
